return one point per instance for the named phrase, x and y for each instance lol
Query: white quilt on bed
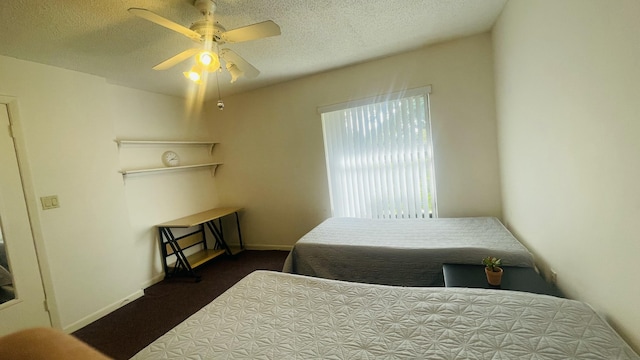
(406, 252)
(270, 315)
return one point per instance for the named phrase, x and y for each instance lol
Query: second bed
(404, 252)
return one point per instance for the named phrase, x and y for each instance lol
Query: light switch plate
(49, 202)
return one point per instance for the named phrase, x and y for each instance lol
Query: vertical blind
(380, 160)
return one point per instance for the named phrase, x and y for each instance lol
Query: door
(26, 307)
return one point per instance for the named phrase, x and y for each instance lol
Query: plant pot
(494, 277)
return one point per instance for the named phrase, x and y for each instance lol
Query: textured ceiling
(102, 38)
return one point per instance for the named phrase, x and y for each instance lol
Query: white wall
(273, 147)
(68, 133)
(567, 75)
(158, 197)
(99, 249)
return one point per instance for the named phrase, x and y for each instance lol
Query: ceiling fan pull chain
(220, 102)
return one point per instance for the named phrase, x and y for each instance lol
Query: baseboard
(268, 247)
(154, 280)
(102, 312)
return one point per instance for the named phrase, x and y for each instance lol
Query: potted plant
(493, 270)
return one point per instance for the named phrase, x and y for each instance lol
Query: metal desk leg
(217, 234)
(181, 258)
(239, 233)
(163, 251)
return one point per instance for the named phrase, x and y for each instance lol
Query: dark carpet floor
(124, 332)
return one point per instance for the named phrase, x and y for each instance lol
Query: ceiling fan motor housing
(208, 30)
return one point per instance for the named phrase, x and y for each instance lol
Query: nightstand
(513, 278)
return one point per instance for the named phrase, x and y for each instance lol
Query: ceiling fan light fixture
(194, 75)
(205, 58)
(208, 60)
(234, 71)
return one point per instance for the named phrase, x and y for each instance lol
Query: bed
(272, 315)
(405, 252)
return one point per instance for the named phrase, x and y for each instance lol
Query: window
(379, 157)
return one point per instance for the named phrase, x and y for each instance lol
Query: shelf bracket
(211, 148)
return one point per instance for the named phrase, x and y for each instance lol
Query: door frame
(32, 207)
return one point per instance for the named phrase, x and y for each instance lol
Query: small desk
(172, 245)
(513, 278)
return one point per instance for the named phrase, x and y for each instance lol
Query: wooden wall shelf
(211, 144)
(121, 142)
(183, 167)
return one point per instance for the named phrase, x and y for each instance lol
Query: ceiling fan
(210, 34)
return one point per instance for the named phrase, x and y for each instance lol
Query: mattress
(270, 315)
(404, 252)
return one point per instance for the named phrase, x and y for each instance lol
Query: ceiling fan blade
(251, 32)
(247, 69)
(176, 59)
(155, 18)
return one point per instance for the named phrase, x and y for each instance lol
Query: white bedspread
(270, 315)
(406, 252)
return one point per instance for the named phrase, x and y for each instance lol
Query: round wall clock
(170, 158)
